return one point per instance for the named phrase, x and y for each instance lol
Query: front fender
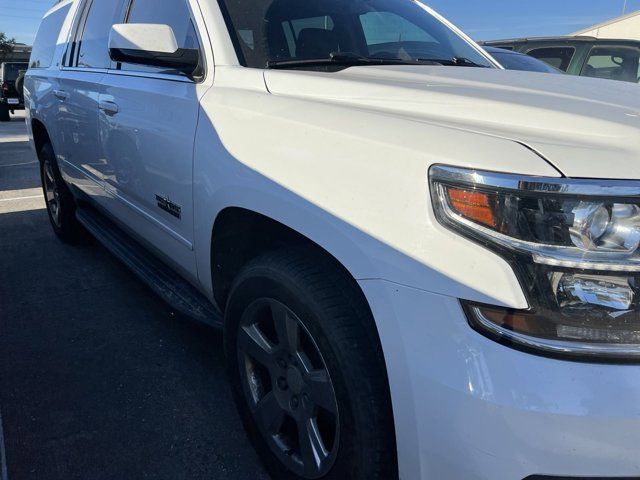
(352, 181)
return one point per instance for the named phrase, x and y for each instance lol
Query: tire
(61, 205)
(4, 113)
(297, 329)
(20, 86)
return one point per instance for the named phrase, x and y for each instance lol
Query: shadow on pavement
(98, 380)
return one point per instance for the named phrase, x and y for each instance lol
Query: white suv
(426, 267)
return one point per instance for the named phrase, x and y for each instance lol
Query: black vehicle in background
(11, 95)
(584, 56)
(519, 61)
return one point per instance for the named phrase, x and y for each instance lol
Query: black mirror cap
(184, 60)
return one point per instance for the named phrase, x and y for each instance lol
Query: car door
(613, 62)
(80, 82)
(147, 130)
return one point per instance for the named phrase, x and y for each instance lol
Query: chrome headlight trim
(623, 189)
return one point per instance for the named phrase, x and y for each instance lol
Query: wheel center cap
(295, 380)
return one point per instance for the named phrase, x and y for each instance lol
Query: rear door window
(557, 57)
(44, 46)
(175, 13)
(613, 63)
(93, 49)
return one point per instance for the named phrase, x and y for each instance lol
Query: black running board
(166, 283)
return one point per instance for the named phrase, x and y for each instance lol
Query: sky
(482, 19)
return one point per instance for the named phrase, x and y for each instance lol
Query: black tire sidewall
(266, 283)
(69, 229)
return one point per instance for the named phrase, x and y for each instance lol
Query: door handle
(109, 108)
(60, 94)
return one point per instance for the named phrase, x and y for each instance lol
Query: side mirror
(152, 45)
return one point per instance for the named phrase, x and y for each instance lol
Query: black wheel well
(40, 135)
(240, 235)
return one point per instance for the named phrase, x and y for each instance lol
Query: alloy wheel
(288, 387)
(52, 193)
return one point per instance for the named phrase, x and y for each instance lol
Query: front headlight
(574, 245)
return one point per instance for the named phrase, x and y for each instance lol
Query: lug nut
(282, 383)
(294, 402)
(282, 363)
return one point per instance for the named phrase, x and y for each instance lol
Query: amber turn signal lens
(475, 206)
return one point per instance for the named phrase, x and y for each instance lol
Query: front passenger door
(148, 121)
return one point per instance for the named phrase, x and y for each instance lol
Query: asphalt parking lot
(98, 378)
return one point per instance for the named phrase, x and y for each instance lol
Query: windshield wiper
(454, 62)
(348, 59)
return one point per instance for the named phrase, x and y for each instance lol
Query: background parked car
(519, 61)
(10, 98)
(584, 56)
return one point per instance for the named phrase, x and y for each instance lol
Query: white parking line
(3, 455)
(9, 195)
(19, 198)
(26, 200)
(9, 138)
(19, 164)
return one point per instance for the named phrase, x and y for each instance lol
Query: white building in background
(625, 27)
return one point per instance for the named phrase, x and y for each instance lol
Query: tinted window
(271, 30)
(174, 13)
(386, 27)
(557, 57)
(292, 29)
(46, 40)
(613, 63)
(93, 46)
(516, 61)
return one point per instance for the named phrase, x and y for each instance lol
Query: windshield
(12, 70)
(515, 61)
(267, 31)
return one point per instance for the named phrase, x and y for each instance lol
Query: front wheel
(307, 369)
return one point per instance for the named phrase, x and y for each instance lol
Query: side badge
(168, 206)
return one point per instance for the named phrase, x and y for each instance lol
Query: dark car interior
(293, 30)
(614, 63)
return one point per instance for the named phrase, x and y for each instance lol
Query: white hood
(584, 127)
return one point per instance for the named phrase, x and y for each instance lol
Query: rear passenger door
(85, 65)
(147, 136)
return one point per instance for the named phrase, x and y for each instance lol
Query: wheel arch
(40, 135)
(240, 234)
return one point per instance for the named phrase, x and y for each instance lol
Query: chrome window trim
(84, 70)
(152, 75)
(534, 184)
